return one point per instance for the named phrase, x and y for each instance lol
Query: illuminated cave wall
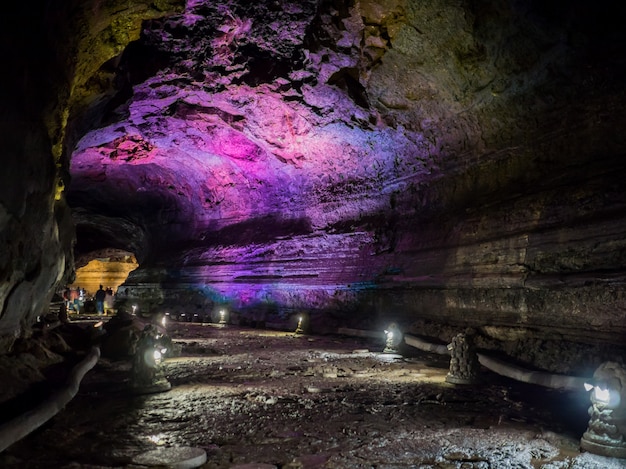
(109, 271)
(401, 160)
(460, 162)
(51, 78)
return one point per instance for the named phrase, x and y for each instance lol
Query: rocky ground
(254, 398)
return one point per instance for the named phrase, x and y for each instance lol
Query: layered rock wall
(375, 161)
(458, 162)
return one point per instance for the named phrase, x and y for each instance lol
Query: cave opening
(107, 267)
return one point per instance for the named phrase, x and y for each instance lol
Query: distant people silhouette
(99, 297)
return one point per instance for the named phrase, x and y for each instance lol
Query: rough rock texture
(109, 269)
(365, 161)
(35, 229)
(52, 72)
(258, 399)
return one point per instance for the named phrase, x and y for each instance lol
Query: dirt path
(304, 402)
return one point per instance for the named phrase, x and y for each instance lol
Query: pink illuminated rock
(376, 159)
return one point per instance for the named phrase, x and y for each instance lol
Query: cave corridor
(451, 169)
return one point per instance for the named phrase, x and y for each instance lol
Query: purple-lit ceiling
(299, 154)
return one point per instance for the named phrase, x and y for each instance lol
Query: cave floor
(254, 398)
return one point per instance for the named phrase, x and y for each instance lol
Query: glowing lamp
(606, 431)
(147, 375)
(134, 309)
(389, 342)
(393, 337)
(603, 395)
(158, 355)
(300, 324)
(222, 316)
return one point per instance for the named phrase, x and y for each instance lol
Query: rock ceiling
(450, 160)
(302, 154)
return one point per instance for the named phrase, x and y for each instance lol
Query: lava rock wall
(371, 161)
(364, 161)
(52, 51)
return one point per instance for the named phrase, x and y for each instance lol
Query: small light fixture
(389, 342)
(158, 355)
(299, 328)
(606, 431)
(393, 337)
(222, 316)
(146, 373)
(603, 395)
(134, 309)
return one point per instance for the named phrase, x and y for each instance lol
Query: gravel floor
(256, 398)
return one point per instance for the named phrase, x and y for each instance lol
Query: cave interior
(451, 169)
